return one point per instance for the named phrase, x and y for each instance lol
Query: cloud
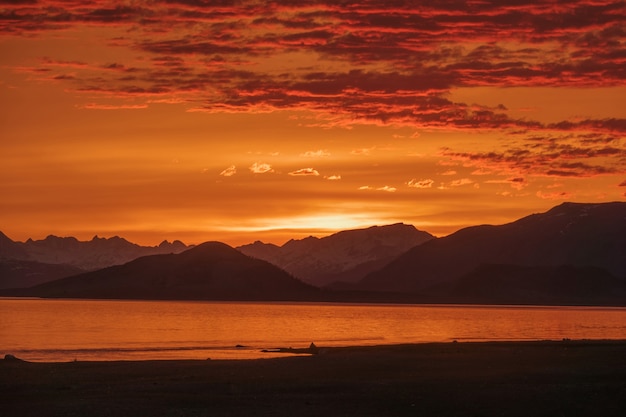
(600, 125)
(449, 172)
(549, 154)
(229, 172)
(315, 154)
(517, 183)
(383, 188)
(424, 183)
(482, 171)
(622, 184)
(332, 177)
(305, 172)
(362, 151)
(96, 106)
(260, 168)
(554, 196)
(366, 62)
(460, 182)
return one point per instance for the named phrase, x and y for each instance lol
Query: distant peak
(211, 250)
(177, 244)
(398, 226)
(259, 243)
(570, 207)
(212, 245)
(570, 204)
(118, 239)
(54, 238)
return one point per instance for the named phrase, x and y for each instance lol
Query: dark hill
(543, 285)
(569, 234)
(211, 271)
(15, 273)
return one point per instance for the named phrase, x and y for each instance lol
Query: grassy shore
(565, 378)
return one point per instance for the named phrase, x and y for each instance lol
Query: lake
(66, 330)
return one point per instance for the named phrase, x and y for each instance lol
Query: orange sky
(243, 120)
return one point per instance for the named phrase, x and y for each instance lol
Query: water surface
(65, 330)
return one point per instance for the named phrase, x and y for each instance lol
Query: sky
(269, 120)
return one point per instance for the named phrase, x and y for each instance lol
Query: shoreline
(249, 353)
(568, 377)
(276, 352)
(340, 297)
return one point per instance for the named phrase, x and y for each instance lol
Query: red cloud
(362, 63)
(550, 155)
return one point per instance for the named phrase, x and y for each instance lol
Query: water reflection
(56, 330)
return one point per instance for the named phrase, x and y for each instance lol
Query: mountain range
(569, 234)
(346, 256)
(32, 262)
(210, 271)
(574, 253)
(87, 255)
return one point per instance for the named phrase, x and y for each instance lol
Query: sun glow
(209, 122)
(310, 224)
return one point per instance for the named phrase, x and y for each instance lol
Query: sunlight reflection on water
(65, 330)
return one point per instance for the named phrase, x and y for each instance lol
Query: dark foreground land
(568, 378)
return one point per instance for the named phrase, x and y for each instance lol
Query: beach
(545, 378)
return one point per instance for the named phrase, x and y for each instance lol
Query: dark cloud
(189, 46)
(115, 14)
(559, 156)
(611, 125)
(373, 61)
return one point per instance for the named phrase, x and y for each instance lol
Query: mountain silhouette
(43, 260)
(572, 234)
(89, 255)
(11, 250)
(574, 253)
(210, 271)
(15, 273)
(344, 256)
(545, 285)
